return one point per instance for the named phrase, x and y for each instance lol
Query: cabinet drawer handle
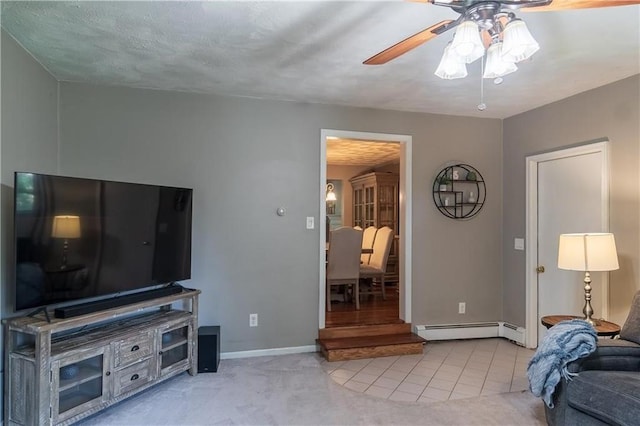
(134, 377)
(135, 348)
(108, 373)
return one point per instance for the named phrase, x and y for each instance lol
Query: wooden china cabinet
(376, 203)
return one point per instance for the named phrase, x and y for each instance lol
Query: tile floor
(453, 369)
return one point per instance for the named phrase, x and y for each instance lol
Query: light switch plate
(310, 224)
(518, 243)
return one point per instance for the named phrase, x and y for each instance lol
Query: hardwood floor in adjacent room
(373, 310)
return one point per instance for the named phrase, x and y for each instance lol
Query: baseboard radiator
(429, 332)
(476, 330)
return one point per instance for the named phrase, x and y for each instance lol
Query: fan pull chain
(482, 106)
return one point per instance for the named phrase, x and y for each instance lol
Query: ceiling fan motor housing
(484, 14)
(461, 6)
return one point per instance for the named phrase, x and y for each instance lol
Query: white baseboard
(269, 352)
(428, 332)
(514, 333)
(472, 331)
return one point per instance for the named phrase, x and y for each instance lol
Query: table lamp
(587, 252)
(65, 227)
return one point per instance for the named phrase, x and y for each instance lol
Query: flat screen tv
(82, 238)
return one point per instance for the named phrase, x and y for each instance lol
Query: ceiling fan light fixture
(467, 43)
(496, 66)
(451, 66)
(518, 43)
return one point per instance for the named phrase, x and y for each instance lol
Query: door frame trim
(531, 236)
(405, 196)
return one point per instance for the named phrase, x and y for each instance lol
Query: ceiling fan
(490, 25)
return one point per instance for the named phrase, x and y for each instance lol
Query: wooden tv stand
(61, 371)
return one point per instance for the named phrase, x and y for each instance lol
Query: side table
(603, 328)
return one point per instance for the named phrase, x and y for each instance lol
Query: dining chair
(377, 266)
(368, 237)
(343, 263)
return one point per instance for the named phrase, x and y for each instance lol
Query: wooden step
(347, 348)
(364, 330)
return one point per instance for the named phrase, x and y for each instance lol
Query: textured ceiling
(350, 152)
(312, 51)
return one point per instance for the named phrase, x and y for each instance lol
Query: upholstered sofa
(606, 389)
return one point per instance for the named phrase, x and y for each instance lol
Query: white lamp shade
(66, 227)
(467, 44)
(496, 66)
(519, 44)
(450, 66)
(587, 252)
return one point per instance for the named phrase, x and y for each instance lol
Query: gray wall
(244, 158)
(28, 141)
(29, 137)
(611, 111)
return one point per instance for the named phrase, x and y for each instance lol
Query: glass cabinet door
(387, 206)
(369, 206)
(79, 383)
(358, 207)
(175, 351)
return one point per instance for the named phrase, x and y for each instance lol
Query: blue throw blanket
(563, 343)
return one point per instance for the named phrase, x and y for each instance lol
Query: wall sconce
(65, 227)
(331, 196)
(331, 199)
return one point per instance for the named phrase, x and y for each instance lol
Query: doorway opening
(340, 212)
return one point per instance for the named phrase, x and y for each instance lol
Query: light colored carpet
(294, 390)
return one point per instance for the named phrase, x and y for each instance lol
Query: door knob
(540, 269)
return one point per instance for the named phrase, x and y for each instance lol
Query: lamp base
(588, 310)
(593, 322)
(65, 249)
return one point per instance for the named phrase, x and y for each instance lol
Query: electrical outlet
(462, 307)
(253, 320)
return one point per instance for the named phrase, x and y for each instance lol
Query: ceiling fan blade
(580, 4)
(409, 43)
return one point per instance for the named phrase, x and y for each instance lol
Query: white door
(572, 196)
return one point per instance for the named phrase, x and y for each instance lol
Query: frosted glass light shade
(496, 66)
(451, 66)
(587, 252)
(330, 195)
(518, 44)
(467, 44)
(66, 227)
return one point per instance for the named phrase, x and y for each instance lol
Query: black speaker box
(208, 348)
